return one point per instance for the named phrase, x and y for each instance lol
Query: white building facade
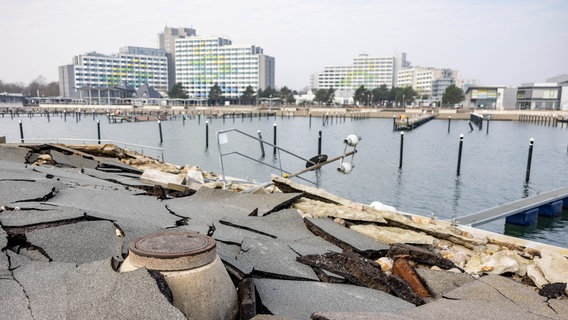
(133, 66)
(430, 82)
(370, 72)
(203, 61)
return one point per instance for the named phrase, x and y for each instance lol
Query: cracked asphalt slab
(62, 227)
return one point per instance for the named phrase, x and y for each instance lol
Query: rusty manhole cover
(169, 245)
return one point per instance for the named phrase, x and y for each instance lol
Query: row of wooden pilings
(541, 119)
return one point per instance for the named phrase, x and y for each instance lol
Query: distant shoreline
(291, 111)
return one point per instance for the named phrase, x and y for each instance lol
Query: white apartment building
(203, 61)
(370, 72)
(430, 82)
(133, 66)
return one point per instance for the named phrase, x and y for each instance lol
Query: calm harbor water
(493, 165)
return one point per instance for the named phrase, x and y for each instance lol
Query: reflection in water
(456, 197)
(397, 189)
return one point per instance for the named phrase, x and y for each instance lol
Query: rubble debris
(362, 272)
(247, 299)
(420, 255)
(390, 235)
(319, 209)
(404, 270)
(553, 290)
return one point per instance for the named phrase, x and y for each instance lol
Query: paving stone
(440, 282)
(92, 291)
(13, 191)
(43, 214)
(274, 257)
(343, 235)
(285, 224)
(299, 299)
(119, 205)
(78, 242)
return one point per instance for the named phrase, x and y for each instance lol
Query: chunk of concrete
(157, 177)
(70, 160)
(536, 276)
(440, 282)
(299, 299)
(13, 153)
(553, 266)
(390, 235)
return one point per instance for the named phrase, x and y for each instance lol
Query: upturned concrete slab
(274, 258)
(13, 191)
(43, 214)
(285, 224)
(440, 282)
(343, 235)
(233, 234)
(80, 242)
(228, 204)
(127, 179)
(120, 205)
(92, 291)
(299, 299)
(312, 245)
(71, 160)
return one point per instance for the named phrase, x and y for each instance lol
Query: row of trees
(38, 87)
(384, 96)
(364, 97)
(249, 96)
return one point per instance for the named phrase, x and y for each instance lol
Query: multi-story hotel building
(203, 61)
(430, 82)
(167, 41)
(370, 72)
(133, 66)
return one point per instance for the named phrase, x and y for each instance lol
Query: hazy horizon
(495, 42)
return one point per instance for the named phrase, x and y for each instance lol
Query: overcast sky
(496, 42)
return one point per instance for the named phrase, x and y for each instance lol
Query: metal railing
(126, 145)
(223, 139)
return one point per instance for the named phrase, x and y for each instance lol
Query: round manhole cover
(169, 245)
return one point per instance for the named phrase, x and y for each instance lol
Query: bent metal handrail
(223, 139)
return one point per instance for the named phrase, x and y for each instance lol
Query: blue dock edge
(530, 217)
(526, 218)
(552, 209)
